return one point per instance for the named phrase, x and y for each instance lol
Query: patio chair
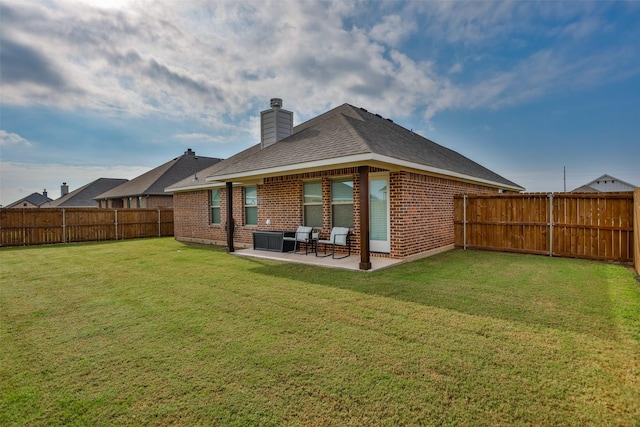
(303, 235)
(340, 236)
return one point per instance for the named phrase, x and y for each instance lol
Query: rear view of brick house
(346, 167)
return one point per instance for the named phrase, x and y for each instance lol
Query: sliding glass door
(379, 213)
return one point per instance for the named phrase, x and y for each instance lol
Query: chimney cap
(276, 103)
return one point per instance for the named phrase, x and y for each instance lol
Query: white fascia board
(358, 158)
(444, 172)
(195, 187)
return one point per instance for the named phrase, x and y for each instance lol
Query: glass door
(379, 214)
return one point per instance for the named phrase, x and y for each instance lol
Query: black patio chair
(303, 235)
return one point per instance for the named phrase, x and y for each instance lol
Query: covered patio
(348, 263)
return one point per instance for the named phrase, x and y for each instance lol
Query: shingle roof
(35, 199)
(585, 189)
(348, 132)
(84, 196)
(156, 180)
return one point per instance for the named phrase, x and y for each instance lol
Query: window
(251, 205)
(215, 206)
(139, 202)
(312, 202)
(342, 203)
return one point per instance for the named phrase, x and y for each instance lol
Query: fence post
(551, 224)
(636, 229)
(464, 222)
(64, 226)
(116, 216)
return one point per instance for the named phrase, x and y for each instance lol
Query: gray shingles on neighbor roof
(348, 131)
(154, 182)
(35, 199)
(84, 196)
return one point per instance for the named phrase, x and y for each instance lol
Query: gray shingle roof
(84, 196)
(156, 180)
(343, 132)
(35, 199)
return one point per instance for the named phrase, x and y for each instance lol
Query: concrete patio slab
(349, 263)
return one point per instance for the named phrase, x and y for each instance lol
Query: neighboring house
(148, 190)
(83, 197)
(604, 184)
(328, 172)
(34, 200)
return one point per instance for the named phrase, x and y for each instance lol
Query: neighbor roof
(35, 199)
(588, 187)
(84, 196)
(343, 136)
(156, 180)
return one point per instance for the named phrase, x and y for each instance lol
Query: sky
(112, 89)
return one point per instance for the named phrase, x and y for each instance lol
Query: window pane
(342, 215)
(313, 216)
(342, 191)
(250, 196)
(251, 215)
(215, 215)
(312, 192)
(215, 197)
(378, 210)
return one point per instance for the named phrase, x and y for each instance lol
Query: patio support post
(230, 222)
(363, 185)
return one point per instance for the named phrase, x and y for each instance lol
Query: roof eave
(354, 160)
(202, 185)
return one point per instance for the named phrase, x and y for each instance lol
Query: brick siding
(421, 210)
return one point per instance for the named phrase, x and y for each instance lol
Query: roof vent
(190, 152)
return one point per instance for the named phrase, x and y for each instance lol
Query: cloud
(202, 138)
(11, 139)
(392, 30)
(219, 61)
(20, 63)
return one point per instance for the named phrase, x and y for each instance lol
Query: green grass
(154, 332)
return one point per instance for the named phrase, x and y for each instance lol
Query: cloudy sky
(94, 89)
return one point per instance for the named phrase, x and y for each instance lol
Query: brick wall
(421, 209)
(158, 201)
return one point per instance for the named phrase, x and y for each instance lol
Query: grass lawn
(155, 332)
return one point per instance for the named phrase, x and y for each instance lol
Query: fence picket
(25, 227)
(584, 225)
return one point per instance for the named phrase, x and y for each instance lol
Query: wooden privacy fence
(25, 227)
(582, 225)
